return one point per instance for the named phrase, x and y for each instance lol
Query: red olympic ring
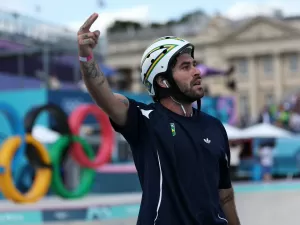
(76, 119)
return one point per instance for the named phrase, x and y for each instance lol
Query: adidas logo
(206, 140)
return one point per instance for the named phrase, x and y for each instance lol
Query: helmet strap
(175, 94)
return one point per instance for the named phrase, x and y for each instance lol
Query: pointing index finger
(89, 22)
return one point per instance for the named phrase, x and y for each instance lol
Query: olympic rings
(62, 127)
(59, 151)
(87, 175)
(55, 111)
(47, 164)
(104, 153)
(43, 176)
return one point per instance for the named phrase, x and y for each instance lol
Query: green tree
(119, 26)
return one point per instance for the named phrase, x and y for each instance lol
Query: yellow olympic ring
(42, 178)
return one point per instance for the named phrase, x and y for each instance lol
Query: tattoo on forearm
(92, 71)
(125, 101)
(228, 206)
(227, 198)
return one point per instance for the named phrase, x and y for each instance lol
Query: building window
(267, 65)
(269, 99)
(244, 104)
(293, 62)
(242, 66)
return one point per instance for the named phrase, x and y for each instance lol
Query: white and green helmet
(157, 56)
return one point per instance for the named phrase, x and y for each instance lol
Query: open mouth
(198, 82)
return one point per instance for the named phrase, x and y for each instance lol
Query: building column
(253, 87)
(278, 82)
(136, 85)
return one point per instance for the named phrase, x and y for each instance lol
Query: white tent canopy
(232, 132)
(264, 130)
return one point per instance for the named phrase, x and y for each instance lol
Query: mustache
(196, 79)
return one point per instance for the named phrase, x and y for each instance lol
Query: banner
(97, 213)
(61, 215)
(112, 212)
(22, 100)
(68, 100)
(222, 107)
(21, 218)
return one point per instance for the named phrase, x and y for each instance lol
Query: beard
(189, 94)
(185, 93)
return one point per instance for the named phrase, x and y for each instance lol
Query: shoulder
(132, 102)
(147, 111)
(212, 121)
(141, 105)
(216, 125)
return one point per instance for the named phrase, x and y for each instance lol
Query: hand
(86, 39)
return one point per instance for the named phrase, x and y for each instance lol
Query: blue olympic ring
(17, 129)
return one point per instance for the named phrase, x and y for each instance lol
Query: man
(266, 159)
(235, 151)
(181, 154)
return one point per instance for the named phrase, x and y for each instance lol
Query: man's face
(187, 77)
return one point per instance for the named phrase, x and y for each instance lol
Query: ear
(161, 81)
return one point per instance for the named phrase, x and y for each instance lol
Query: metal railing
(31, 31)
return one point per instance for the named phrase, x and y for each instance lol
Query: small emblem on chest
(172, 125)
(207, 141)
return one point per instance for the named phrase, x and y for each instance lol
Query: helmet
(157, 57)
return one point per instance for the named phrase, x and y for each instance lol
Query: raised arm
(115, 105)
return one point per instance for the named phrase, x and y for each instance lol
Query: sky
(74, 13)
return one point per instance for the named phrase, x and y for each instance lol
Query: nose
(197, 73)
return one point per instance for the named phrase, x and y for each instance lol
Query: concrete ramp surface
(257, 204)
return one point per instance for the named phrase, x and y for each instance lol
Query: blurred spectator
(235, 150)
(265, 116)
(294, 122)
(266, 160)
(283, 115)
(286, 114)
